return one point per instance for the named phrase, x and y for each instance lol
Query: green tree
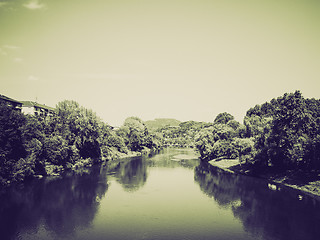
(291, 130)
(223, 132)
(204, 141)
(11, 141)
(223, 118)
(80, 127)
(14, 164)
(111, 143)
(33, 135)
(246, 149)
(217, 141)
(224, 148)
(56, 150)
(135, 133)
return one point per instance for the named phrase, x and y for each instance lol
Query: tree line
(72, 138)
(283, 134)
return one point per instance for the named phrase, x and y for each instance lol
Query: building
(29, 107)
(17, 105)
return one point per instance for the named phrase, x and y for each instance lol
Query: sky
(182, 59)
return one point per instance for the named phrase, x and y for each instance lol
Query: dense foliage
(283, 134)
(224, 139)
(181, 135)
(291, 133)
(73, 137)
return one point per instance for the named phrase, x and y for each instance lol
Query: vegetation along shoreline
(278, 140)
(311, 188)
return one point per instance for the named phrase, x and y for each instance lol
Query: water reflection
(132, 174)
(267, 213)
(157, 198)
(172, 158)
(56, 207)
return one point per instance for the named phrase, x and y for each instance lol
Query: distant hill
(153, 125)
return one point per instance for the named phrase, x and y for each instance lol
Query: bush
(224, 148)
(23, 169)
(246, 149)
(56, 150)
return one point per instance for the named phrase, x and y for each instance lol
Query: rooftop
(35, 104)
(9, 99)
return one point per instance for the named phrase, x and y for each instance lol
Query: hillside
(153, 125)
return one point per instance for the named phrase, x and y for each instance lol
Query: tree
(223, 132)
(56, 150)
(11, 141)
(34, 136)
(216, 141)
(111, 142)
(135, 133)
(204, 142)
(80, 127)
(223, 118)
(255, 125)
(291, 130)
(14, 165)
(224, 148)
(245, 148)
(233, 124)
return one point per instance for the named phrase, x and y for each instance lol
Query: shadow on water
(59, 206)
(265, 210)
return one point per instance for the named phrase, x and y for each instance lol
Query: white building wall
(27, 110)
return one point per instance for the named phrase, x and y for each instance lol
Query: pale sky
(188, 60)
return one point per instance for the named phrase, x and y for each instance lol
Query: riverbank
(307, 183)
(52, 171)
(83, 165)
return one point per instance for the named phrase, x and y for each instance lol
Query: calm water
(168, 196)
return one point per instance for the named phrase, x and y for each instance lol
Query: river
(170, 195)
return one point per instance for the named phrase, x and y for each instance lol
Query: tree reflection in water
(267, 214)
(132, 175)
(60, 206)
(172, 158)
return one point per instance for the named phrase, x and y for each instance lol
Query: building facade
(29, 107)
